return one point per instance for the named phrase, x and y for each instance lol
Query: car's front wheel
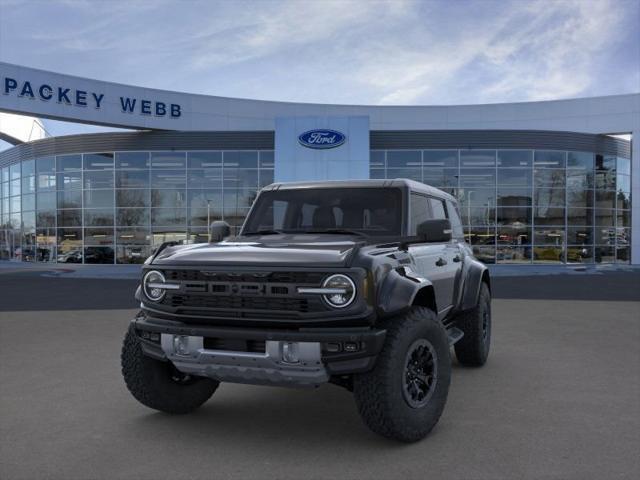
(404, 395)
(159, 385)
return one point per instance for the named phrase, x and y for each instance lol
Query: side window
(419, 211)
(437, 207)
(456, 224)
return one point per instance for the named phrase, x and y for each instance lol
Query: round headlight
(152, 292)
(344, 291)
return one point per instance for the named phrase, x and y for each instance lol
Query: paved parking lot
(559, 398)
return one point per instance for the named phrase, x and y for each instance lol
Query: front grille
(239, 303)
(243, 294)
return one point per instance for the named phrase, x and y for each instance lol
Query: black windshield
(368, 211)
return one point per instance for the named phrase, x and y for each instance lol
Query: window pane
(240, 198)
(579, 255)
(605, 199)
(580, 236)
(579, 179)
(133, 216)
(14, 187)
(438, 210)
(605, 254)
(132, 253)
(514, 216)
(98, 179)
(132, 178)
(440, 159)
(583, 160)
(515, 158)
(267, 159)
(623, 218)
(478, 215)
(549, 159)
(235, 177)
(548, 236)
(410, 173)
(510, 254)
(46, 181)
(168, 159)
(98, 236)
(168, 198)
(605, 217)
(419, 212)
(46, 165)
(205, 178)
(204, 198)
(104, 254)
(404, 158)
(28, 168)
(46, 200)
(204, 159)
(517, 234)
(605, 163)
(69, 162)
(477, 197)
(98, 199)
(69, 218)
(514, 176)
(577, 198)
(549, 178)
(548, 216)
(624, 183)
(133, 236)
(266, 177)
(241, 159)
(138, 160)
(46, 219)
(29, 202)
(98, 217)
(623, 166)
(133, 198)
(376, 159)
(477, 158)
(69, 180)
(98, 161)
(548, 254)
(168, 217)
(478, 177)
(168, 178)
(514, 197)
(579, 216)
(70, 199)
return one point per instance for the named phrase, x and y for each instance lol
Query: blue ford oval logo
(322, 138)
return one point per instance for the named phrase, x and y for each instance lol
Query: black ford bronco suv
(364, 284)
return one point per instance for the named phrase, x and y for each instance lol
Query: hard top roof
(379, 183)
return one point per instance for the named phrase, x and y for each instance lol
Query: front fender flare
(398, 292)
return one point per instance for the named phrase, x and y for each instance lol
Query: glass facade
(517, 206)
(115, 207)
(524, 206)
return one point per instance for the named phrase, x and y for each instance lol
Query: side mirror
(219, 230)
(436, 231)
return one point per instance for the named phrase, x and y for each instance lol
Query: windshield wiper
(264, 232)
(345, 231)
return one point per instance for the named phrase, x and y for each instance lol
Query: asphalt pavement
(559, 397)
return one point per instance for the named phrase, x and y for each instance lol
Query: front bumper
(322, 352)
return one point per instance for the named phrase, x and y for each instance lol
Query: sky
(392, 52)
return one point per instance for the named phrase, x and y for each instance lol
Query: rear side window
(454, 217)
(419, 211)
(437, 209)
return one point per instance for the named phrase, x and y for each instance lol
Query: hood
(276, 250)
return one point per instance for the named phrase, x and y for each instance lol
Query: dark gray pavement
(559, 398)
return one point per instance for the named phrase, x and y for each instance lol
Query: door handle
(441, 262)
(456, 258)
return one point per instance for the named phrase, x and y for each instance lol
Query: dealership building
(539, 182)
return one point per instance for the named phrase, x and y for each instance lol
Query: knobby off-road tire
(383, 395)
(159, 385)
(473, 349)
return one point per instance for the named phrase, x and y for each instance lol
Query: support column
(635, 197)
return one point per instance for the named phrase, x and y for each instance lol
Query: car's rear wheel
(159, 385)
(404, 395)
(473, 348)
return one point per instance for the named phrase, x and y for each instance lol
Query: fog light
(290, 352)
(181, 344)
